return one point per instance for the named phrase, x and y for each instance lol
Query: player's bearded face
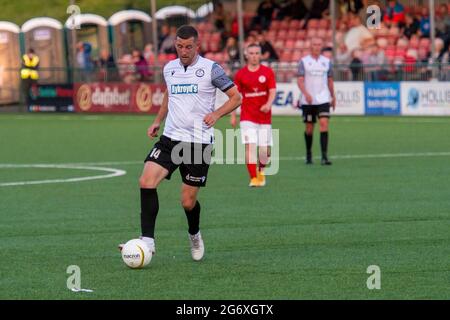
(187, 50)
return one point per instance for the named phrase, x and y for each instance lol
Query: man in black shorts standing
(315, 80)
(188, 107)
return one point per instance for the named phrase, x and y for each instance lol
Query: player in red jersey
(257, 85)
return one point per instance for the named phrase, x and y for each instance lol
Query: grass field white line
(292, 158)
(112, 173)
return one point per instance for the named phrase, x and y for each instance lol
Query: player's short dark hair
(326, 49)
(187, 32)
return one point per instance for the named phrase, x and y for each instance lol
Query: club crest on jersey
(200, 73)
(184, 88)
(262, 79)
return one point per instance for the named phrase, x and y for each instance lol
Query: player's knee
(147, 182)
(188, 203)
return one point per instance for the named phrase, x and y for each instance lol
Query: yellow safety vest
(29, 71)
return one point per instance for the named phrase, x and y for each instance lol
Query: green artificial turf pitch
(311, 233)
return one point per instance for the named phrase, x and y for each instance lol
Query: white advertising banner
(425, 98)
(350, 99)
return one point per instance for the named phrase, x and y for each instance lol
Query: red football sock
(251, 167)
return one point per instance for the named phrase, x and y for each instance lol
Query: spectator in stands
(437, 59)
(411, 26)
(394, 13)
(299, 10)
(264, 14)
(149, 54)
(84, 61)
(168, 45)
(343, 56)
(445, 71)
(250, 40)
(127, 68)
(267, 50)
(219, 17)
(232, 50)
(443, 23)
(374, 61)
(107, 66)
(353, 6)
(356, 66)
(358, 36)
(141, 66)
(425, 23)
(319, 9)
(327, 52)
(165, 31)
(410, 62)
(293, 9)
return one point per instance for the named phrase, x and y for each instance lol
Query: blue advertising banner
(382, 98)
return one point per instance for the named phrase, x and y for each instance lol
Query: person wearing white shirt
(315, 80)
(186, 144)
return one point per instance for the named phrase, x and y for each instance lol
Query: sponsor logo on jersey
(262, 79)
(184, 88)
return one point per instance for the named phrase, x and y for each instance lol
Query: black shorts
(312, 112)
(192, 158)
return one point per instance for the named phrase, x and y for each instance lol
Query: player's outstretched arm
(152, 131)
(233, 102)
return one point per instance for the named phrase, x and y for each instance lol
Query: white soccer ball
(136, 254)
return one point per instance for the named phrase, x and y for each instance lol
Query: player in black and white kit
(186, 143)
(315, 80)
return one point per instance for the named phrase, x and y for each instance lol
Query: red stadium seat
(282, 35)
(299, 44)
(210, 55)
(275, 25)
(216, 36)
(279, 44)
(294, 24)
(312, 33)
(292, 34)
(400, 52)
(301, 34)
(289, 44)
(414, 42)
(284, 24)
(313, 24)
(324, 23)
(322, 33)
(286, 56)
(296, 55)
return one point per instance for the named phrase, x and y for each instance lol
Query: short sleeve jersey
(316, 73)
(254, 87)
(192, 94)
